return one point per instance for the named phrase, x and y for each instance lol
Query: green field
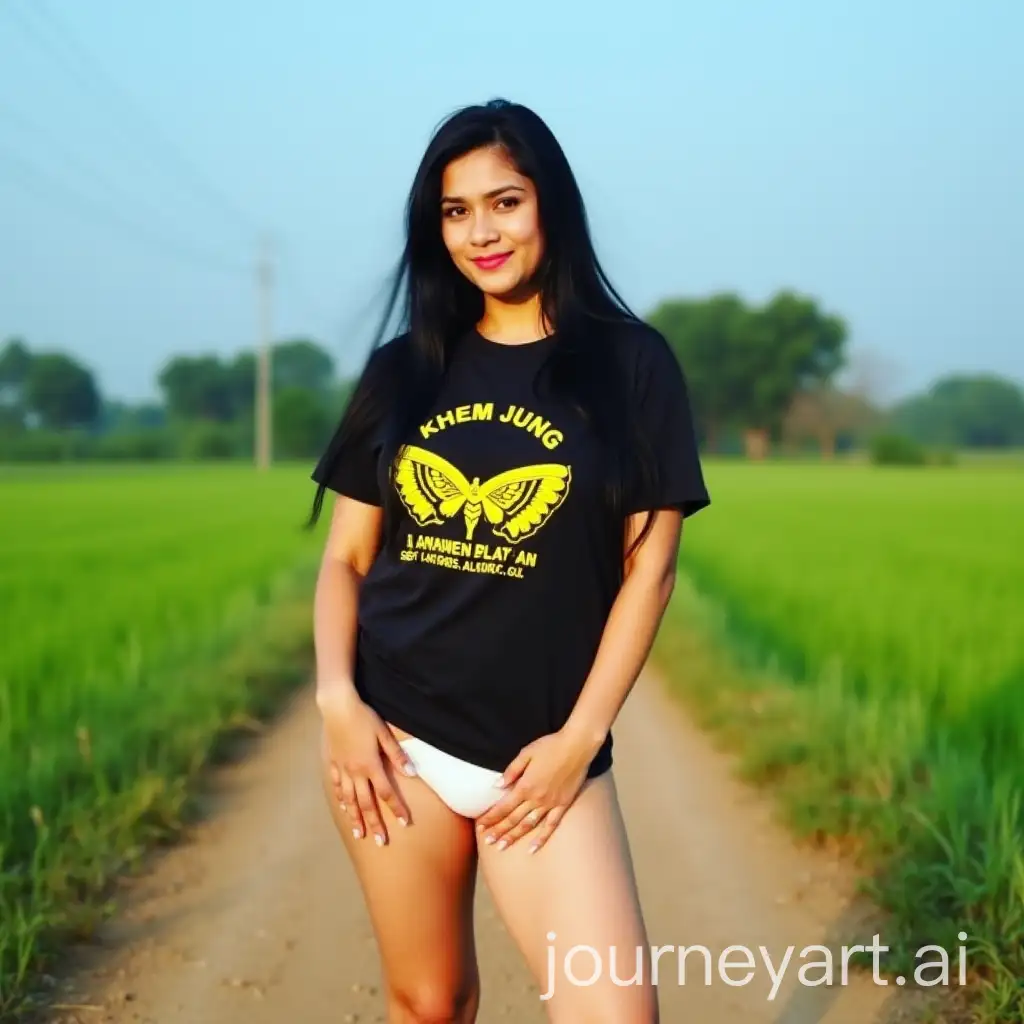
(143, 610)
(856, 632)
(877, 618)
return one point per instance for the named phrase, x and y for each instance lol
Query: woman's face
(490, 221)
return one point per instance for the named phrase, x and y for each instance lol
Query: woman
(511, 473)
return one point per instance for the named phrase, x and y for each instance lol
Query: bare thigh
(579, 890)
(419, 891)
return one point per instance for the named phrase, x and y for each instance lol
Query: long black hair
(440, 305)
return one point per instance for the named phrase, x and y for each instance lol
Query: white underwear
(466, 788)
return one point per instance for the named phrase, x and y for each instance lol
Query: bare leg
(580, 887)
(419, 892)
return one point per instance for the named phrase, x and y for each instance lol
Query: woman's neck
(513, 323)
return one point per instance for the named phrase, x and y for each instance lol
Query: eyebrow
(487, 195)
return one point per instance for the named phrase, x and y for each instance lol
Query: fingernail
(410, 769)
(402, 821)
(378, 839)
(489, 839)
(343, 807)
(356, 833)
(503, 844)
(534, 847)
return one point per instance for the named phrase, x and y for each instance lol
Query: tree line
(761, 377)
(51, 406)
(769, 375)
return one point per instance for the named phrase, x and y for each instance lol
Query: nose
(483, 231)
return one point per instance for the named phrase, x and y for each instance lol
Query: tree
(870, 374)
(199, 388)
(747, 364)
(302, 424)
(207, 387)
(241, 378)
(301, 363)
(826, 414)
(705, 336)
(15, 362)
(981, 410)
(61, 392)
(124, 416)
(791, 346)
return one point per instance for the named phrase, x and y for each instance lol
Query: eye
(450, 211)
(512, 202)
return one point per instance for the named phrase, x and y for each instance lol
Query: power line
(54, 36)
(291, 280)
(88, 71)
(32, 177)
(69, 159)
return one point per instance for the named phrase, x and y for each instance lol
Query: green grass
(873, 620)
(145, 612)
(875, 674)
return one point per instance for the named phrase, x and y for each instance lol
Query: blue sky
(869, 154)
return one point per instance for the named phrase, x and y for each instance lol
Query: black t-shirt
(477, 635)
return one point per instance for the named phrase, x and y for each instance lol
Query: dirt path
(257, 916)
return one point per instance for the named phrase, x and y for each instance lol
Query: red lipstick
(491, 262)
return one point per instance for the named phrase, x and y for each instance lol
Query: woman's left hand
(545, 779)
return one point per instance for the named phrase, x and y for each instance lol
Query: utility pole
(264, 425)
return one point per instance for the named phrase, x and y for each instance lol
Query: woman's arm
(629, 632)
(354, 733)
(547, 774)
(349, 552)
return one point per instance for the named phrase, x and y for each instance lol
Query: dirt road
(257, 916)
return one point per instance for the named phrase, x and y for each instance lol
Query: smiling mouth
(492, 262)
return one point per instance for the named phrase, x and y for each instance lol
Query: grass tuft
(855, 637)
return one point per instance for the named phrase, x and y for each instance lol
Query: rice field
(123, 592)
(882, 610)
(889, 578)
(871, 618)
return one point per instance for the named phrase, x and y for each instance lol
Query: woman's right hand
(358, 742)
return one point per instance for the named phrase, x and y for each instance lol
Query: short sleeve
(665, 415)
(349, 465)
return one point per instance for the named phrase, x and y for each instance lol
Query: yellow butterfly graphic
(516, 503)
